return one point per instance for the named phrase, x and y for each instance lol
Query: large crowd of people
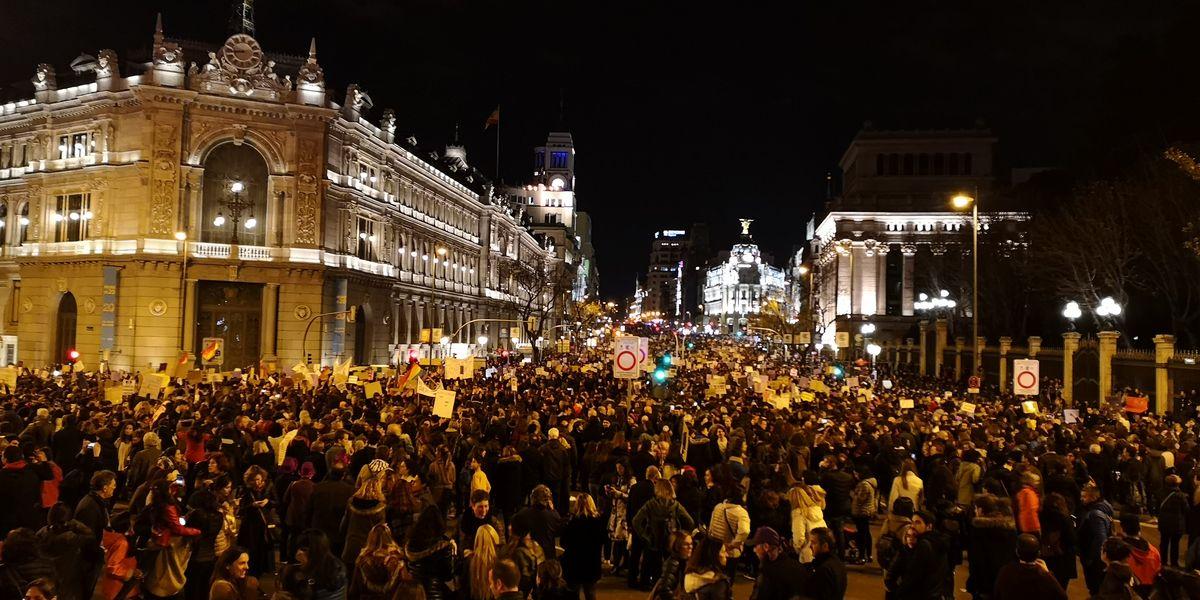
(549, 477)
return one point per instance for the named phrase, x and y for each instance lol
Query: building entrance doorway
(233, 312)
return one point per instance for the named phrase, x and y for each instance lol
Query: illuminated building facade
(220, 191)
(741, 282)
(892, 235)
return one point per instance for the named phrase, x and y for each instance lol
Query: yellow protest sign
(372, 388)
(906, 403)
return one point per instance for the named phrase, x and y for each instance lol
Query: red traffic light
(73, 354)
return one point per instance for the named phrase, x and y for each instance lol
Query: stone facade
(118, 213)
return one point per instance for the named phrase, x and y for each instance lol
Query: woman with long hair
(231, 579)
(317, 574)
(430, 553)
(480, 558)
(908, 485)
(1060, 540)
(583, 541)
(808, 513)
(365, 509)
(705, 577)
(378, 568)
(257, 517)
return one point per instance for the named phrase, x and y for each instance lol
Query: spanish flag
(210, 350)
(493, 119)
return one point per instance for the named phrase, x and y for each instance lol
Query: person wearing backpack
(862, 507)
(891, 535)
(655, 522)
(1094, 529)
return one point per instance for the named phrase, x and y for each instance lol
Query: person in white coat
(908, 485)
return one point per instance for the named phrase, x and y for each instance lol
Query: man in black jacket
(556, 469)
(925, 569)
(92, 511)
(826, 573)
(327, 506)
(780, 577)
(838, 485)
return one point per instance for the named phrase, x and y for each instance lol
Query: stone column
(270, 313)
(959, 343)
(908, 351)
(1070, 345)
(910, 253)
(924, 326)
(1164, 351)
(1035, 346)
(1005, 346)
(1108, 349)
(341, 288)
(980, 344)
(939, 346)
(189, 316)
(881, 253)
(397, 310)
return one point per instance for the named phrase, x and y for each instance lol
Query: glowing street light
(483, 340)
(867, 328)
(1108, 307)
(1072, 311)
(874, 350)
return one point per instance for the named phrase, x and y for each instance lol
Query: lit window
(71, 217)
(366, 239)
(558, 160)
(75, 145)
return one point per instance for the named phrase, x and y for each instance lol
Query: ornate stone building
(222, 192)
(740, 283)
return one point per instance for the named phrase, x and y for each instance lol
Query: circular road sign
(626, 361)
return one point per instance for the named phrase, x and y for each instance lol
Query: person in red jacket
(1144, 559)
(1029, 504)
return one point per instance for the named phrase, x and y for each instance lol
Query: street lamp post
(236, 203)
(961, 201)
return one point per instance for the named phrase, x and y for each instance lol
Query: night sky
(686, 111)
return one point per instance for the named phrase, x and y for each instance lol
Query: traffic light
(660, 375)
(690, 346)
(666, 359)
(838, 371)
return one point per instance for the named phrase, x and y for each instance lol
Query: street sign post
(1026, 377)
(625, 358)
(643, 349)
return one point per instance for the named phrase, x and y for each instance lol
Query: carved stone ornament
(107, 65)
(44, 78)
(89, 305)
(388, 122)
(311, 75)
(158, 307)
(302, 312)
(26, 305)
(61, 284)
(239, 69)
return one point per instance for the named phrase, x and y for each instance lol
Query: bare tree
(1086, 250)
(537, 288)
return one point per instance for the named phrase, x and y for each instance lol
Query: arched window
(3, 223)
(227, 166)
(64, 334)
